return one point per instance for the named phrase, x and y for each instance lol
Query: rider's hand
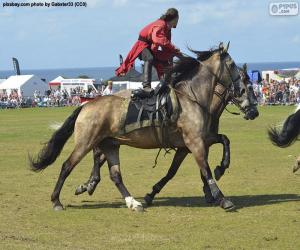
(177, 50)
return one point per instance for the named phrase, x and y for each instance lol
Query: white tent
(84, 84)
(56, 81)
(24, 84)
(297, 76)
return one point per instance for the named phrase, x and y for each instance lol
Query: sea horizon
(106, 72)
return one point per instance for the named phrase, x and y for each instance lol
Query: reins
(219, 82)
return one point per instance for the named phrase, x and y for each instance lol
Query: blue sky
(65, 37)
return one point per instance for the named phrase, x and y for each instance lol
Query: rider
(152, 37)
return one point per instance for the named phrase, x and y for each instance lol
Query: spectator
(109, 89)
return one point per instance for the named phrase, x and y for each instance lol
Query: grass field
(260, 182)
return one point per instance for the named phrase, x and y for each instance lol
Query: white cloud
(5, 14)
(95, 3)
(296, 39)
(120, 3)
(211, 11)
(102, 3)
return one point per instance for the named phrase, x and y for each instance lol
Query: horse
(288, 134)
(249, 103)
(98, 124)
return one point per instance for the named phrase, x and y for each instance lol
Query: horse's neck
(219, 101)
(203, 85)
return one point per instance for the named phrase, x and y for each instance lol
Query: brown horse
(98, 124)
(248, 101)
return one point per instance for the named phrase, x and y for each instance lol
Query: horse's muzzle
(251, 113)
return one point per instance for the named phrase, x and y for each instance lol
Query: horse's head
(246, 98)
(221, 66)
(236, 81)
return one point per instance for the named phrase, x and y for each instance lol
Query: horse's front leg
(223, 139)
(199, 150)
(179, 156)
(91, 184)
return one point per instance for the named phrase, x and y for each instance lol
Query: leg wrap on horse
(215, 191)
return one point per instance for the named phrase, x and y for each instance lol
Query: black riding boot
(147, 91)
(161, 87)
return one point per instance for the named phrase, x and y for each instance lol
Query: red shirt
(157, 34)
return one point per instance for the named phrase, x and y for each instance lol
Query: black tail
(289, 133)
(53, 147)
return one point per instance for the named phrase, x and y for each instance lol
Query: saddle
(156, 111)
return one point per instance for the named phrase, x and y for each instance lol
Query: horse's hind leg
(112, 155)
(91, 184)
(78, 153)
(179, 156)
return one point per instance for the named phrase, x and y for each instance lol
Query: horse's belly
(147, 138)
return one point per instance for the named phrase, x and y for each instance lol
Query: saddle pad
(150, 112)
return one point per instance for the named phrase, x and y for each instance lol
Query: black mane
(186, 67)
(204, 55)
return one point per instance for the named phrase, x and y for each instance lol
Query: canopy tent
(254, 76)
(83, 84)
(24, 84)
(132, 80)
(297, 76)
(272, 75)
(56, 81)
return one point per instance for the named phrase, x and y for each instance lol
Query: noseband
(229, 94)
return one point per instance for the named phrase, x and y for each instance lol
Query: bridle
(228, 95)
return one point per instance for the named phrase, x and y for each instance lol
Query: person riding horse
(152, 37)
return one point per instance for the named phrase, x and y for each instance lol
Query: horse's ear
(227, 47)
(245, 67)
(221, 46)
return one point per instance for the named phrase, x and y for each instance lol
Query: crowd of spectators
(278, 92)
(12, 100)
(267, 93)
(51, 98)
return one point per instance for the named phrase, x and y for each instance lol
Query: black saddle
(153, 111)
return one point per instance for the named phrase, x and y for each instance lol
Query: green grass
(260, 182)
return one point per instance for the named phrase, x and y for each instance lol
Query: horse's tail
(54, 146)
(289, 132)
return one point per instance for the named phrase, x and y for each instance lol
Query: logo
(284, 9)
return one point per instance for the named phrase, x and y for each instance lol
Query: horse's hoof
(91, 188)
(58, 208)
(138, 209)
(227, 205)
(148, 199)
(296, 167)
(80, 189)
(218, 173)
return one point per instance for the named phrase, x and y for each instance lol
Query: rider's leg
(147, 91)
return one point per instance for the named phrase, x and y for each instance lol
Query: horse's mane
(186, 67)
